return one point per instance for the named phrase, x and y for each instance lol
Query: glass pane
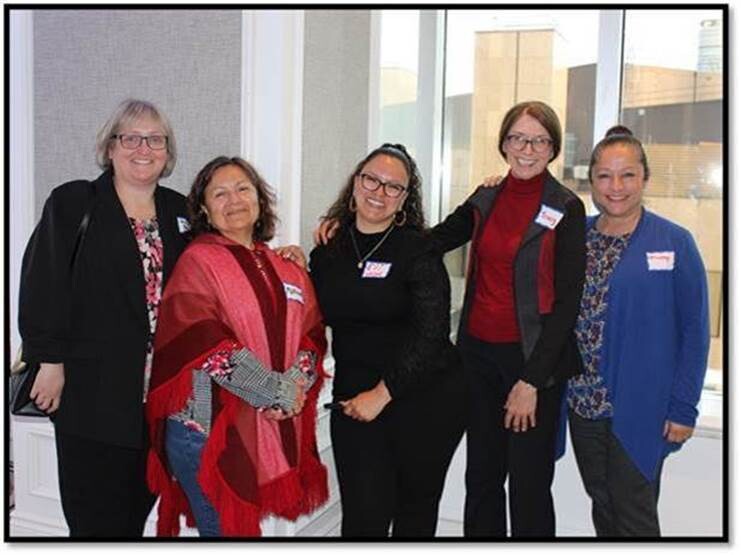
(495, 59)
(673, 102)
(399, 68)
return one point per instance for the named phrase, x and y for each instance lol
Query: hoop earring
(403, 218)
(352, 205)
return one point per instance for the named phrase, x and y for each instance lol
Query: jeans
(183, 446)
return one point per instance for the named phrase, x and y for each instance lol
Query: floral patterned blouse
(587, 393)
(150, 249)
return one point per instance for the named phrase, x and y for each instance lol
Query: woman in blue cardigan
(642, 331)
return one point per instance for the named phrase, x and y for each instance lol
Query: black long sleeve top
(395, 328)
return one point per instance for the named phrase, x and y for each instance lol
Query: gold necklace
(362, 259)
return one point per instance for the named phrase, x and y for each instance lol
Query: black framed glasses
(131, 142)
(538, 144)
(372, 183)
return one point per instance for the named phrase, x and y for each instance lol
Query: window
(673, 102)
(398, 78)
(671, 97)
(495, 59)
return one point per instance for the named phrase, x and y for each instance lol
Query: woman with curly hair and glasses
(397, 391)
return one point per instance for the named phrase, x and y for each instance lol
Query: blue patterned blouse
(587, 394)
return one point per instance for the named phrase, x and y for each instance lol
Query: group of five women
(603, 318)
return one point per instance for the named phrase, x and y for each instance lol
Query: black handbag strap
(82, 230)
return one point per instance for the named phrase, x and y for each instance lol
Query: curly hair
(340, 209)
(264, 228)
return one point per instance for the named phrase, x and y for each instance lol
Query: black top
(395, 328)
(95, 322)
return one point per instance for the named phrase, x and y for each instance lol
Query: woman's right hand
(492, 180)
(325, 231)
(47, 388)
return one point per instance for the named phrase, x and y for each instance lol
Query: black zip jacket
(547, 340)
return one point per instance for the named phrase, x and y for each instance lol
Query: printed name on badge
(183, 224)
(658, 261)
(548, 217)
(293, 293)
(378, 270)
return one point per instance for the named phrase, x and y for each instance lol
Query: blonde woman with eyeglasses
(91, 329)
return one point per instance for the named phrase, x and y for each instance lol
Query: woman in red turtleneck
(526, 272)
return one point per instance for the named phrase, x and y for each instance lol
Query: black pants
(495, 454)
(103, 488)
(391, 471)
(624, 501)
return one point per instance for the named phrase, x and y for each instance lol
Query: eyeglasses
(372, 183)
(539, 144)
(132, 142)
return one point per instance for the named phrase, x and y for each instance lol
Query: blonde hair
(128, 112)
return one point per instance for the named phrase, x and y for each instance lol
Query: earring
(353, 205)
(208, 218)
(403, 218)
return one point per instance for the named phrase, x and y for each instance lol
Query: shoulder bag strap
(82, 230)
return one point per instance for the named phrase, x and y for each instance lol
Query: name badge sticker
(293, 293)
(548, 217)
(660, 261)
(376, 270)
(183, 224)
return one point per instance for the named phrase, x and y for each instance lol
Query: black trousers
(495, 454)
(103, 488)
(624, 501)
(391, 471)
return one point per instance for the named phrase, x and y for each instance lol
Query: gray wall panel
(335, 108)
(188, 62)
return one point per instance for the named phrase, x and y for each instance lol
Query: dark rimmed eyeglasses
(538, 144)
(372, 183)
(131, 142)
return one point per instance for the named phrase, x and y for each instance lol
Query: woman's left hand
(520, 407)
(274, 414)
(677, 433)
(366, 406)
(294, 253)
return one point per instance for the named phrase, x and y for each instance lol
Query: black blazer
(94, 321)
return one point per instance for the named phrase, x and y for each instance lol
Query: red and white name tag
(378, 270)
(548, 217)
(293, 293)
(658, 261)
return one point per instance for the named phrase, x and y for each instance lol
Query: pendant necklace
(362, 259)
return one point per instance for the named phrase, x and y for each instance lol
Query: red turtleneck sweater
(493, 318)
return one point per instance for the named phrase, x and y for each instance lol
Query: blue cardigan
(656, 338)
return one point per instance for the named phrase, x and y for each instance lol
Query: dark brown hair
(340, 210)
(619, 135)
(541, 112)
(264, 228)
